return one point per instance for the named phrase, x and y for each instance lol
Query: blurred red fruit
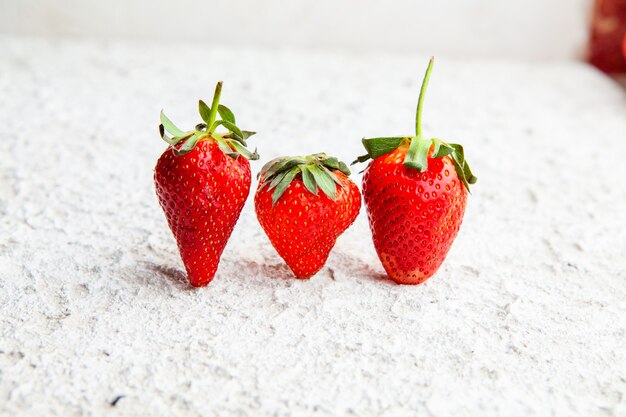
(607, 50)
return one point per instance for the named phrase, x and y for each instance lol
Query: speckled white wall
(519, 29)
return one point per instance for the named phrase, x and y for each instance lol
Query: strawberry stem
(214, 105)
(420, 101)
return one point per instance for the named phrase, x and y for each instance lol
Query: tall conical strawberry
(415, 191)
(202, 182)
(301, 222)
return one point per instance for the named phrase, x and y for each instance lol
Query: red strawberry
(301, 222)
(202, 182)
(606, 36)
(415, 191)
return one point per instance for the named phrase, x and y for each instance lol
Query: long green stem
(214, 105)
(420, 101)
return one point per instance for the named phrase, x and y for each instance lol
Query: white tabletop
(527, 316)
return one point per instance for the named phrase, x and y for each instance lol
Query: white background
(526, 317)
(511, 29)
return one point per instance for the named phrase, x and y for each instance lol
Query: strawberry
(608, 27)
(301, 222)
(202, 182)
(415, 192)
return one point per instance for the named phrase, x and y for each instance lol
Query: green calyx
(317, 172)
(418, 146)
(232, 143)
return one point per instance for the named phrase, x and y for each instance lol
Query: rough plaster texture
(526, 317)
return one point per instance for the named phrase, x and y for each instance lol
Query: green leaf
(169, 140)
(188, 145)
(228, 125)
(173, 140)
(239, 139)
(246, 134)
(242, 150)
(283, 184)
(277, 179)
(417, 156)
(164, 136)
(226, 114)
(201, 126)
(441, 148)
(324, 181)
(176, 140)
(335, 164)
(226, 149)
(458, 150)
(468, 173)
(284, 165)
(344, 168)
(232, 127)
(205, 111)
(376, 147)
(458, 167)
(332, 176)
(360, 159)
(309, 180)
(472, 178)
(169, 126)
(458, 157)
(331, 162)
(274, 168)
(315, 174)
(262, 185)
(268, 165)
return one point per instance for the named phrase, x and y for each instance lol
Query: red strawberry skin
(414, 216)
(303, 227)
(202, 194)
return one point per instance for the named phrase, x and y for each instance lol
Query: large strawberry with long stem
(202, 182)
(304, 203)
(415, 191)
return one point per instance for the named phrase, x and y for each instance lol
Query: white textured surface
(526, 317)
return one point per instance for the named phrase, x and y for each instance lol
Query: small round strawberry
(202, 182)
(415, 192)
(301, 222)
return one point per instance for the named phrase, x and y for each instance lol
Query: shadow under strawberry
(174, 275)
